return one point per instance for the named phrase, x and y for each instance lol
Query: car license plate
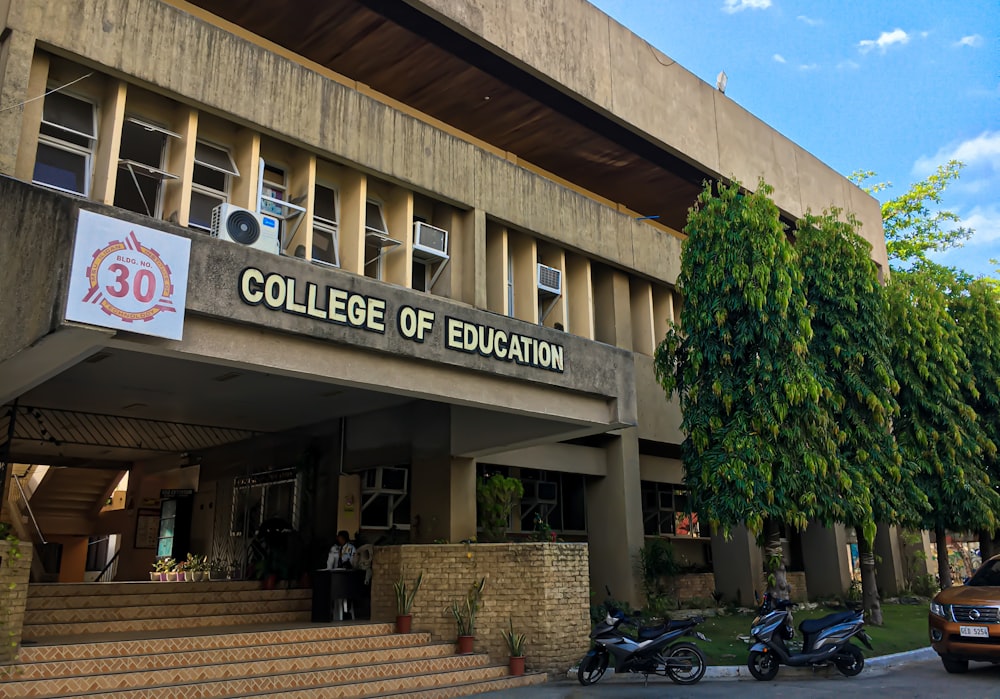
(974, 631)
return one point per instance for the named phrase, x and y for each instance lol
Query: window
(665, 510)
(326, 237)
(66, 144)
(385, 498)
(557, 499)
(430, 253)
(376, 238)
(264, 496)
(140, 159)
(213, 168)
(510, 284)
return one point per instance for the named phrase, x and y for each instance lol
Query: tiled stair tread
(31, 631)
(99, 645)
(302, 684)
(323, 668)
(364, 650)
(466, 688)
(179, 596)
(137, 587)
(161, 611)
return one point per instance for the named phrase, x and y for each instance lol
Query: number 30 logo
(130, 281)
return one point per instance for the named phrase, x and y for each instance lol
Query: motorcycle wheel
(850, 661)
(763, 666)
(592, 668)
(685, 663)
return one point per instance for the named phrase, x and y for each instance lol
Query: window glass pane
(373, 217)
(215, 158)
(202, 206)
(61, 168)
(574, 502)
(213, 179)
(141, 199)
(274, 187)
(70, 113)
(377, 512)
(326, 204)
(141, 145)
(401, 515)
(66, 136)
(419, 276)
(325, 246)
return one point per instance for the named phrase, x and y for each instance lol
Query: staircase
(68, 500)
(255, 643)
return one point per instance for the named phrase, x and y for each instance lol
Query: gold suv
(965, 620)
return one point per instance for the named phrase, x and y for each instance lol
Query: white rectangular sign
(128, 277)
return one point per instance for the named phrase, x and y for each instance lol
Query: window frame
(222, 196)
(55, 143)
(325, 225)
(158, 173)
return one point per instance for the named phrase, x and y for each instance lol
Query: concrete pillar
(442, 487)
(738, 566)
(889, 560)
(825, 555)
(614, 521)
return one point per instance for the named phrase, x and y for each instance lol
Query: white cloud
(779, 58)
(732, 6)
(985, 221)
(884, 41)
(810, 21)
(973, 40)
(983, 150)
(809, 66)
(848, 65)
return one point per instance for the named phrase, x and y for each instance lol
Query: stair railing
(110, 571)
(21, 500)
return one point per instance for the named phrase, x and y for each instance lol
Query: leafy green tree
(914, 225)
(850, 353)
(975, 306)
(937, 431)
(496, 496)
(759, 448)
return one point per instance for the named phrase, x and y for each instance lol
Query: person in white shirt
(342, 553)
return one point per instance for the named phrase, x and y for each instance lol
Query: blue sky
(885, 85)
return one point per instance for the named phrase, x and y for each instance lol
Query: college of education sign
(128, 277)
(329, 304)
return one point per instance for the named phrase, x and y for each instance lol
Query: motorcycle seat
(647, 632)
(810, 626)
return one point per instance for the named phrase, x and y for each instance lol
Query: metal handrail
(112, 566)
(27, 506)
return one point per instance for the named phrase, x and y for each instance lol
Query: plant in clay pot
(404, 601)
(515, 646)
(465, 613)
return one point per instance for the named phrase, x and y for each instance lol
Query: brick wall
(14, 573)
(797, 581)
(543, 588)
(694, 585)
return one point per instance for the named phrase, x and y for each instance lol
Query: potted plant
(181, 570)
(159, 572)
(193, 568)
(515, 645)
(404, 601)
(465, 615)
(165, 566)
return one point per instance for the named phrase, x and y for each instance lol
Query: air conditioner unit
(245, 227)
(549, 280)
(386, 479)
(541, 492)
(430, 243)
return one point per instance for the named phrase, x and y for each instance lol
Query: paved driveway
(918, 680)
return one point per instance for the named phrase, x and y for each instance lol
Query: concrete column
(474, 268)
(579, 292)
(614, 521)
(738, 566)
(824, 553)
(180, 161)
(495, 279)
(888, 560)
(28, 119)
(641, 305)
(353, 199)
(397, 261)
(524, 253)
(111, 118)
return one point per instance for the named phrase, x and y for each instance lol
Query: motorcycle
(824, 641)
(658, 650)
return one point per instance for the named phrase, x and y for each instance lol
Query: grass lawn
(905, 629)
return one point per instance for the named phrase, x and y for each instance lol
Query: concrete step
(219, 607)
(116, 589)
(180, 595)
(344, 651)
(342, 684)
(39, 631)
(281, 673)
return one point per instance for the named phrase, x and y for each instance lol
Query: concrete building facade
(456, 274)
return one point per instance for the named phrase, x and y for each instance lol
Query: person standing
(341, 553)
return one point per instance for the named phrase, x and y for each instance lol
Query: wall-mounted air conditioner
(245, 227)
(430, 243)
(540, 492)
(549, 280)
(385, 480)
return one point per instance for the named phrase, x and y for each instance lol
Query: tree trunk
(944, 570)
(869, 583)
(774, 562)
(989, 544)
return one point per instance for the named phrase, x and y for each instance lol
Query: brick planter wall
(694, 585)
(14, 574)
(797, 581)
(543, 588)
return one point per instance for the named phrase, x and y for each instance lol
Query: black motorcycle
(824, 641)
(657, 650)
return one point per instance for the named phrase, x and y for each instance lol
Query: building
(378, 248)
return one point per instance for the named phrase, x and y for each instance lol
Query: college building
(320, 265)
